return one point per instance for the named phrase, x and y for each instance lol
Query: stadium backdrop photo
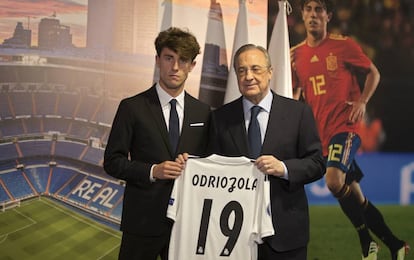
(66, 64)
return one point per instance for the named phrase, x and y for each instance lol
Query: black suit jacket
(291, 137)
(139, 132)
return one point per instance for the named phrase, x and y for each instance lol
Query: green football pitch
(44, 229)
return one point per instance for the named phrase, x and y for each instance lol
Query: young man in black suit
(143, 141)
(289, 149)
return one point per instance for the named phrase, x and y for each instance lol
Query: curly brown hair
(180, 41)
(327, 4)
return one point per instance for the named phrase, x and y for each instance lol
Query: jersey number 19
(231, 232)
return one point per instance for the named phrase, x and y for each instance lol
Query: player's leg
(350, 206)
(342, 149)
(356, 189)
(375, 219)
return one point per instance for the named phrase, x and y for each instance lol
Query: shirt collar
(265, 104)
(165, 97)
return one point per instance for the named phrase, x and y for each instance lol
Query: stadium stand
(3, 195)
(25, 103)
(53, 130)
(66, 104)
(55, 124)
(4, 106)
(12, 127)
(7, 150)
(17, 185)
(45, 103)
(93, 155)
(87, 192)
(70, 149)
(38, 176)
(58, 179)
(35, 147)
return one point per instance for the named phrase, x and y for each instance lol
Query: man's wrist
(152, 178)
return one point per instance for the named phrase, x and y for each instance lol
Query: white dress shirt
(262, 117)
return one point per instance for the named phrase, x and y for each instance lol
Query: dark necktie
(174, 131)
(255, 139)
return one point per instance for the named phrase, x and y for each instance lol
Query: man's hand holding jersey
(267, 164)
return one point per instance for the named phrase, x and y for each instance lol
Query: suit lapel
(237, 127)
(275, 124)
(188, 115)
(154, 106)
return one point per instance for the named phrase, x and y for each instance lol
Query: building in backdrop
(22, 38)
(53, 35)
(215, 69)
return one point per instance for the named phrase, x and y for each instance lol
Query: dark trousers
(135, 247)
(266, 252)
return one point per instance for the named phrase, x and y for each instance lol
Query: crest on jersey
(331, 63)
(269, 210)
(171, 201)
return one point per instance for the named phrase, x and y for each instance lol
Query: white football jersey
(221, 209)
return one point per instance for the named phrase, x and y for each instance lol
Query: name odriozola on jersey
(221, 209)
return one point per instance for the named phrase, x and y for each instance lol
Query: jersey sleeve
(295, 80)
(296, 83)
(355, 57)
(263, 223)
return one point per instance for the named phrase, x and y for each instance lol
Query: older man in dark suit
(148, 131)
(288, 149)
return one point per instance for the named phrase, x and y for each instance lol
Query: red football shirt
(326, 74)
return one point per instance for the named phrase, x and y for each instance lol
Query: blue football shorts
(341, 154)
